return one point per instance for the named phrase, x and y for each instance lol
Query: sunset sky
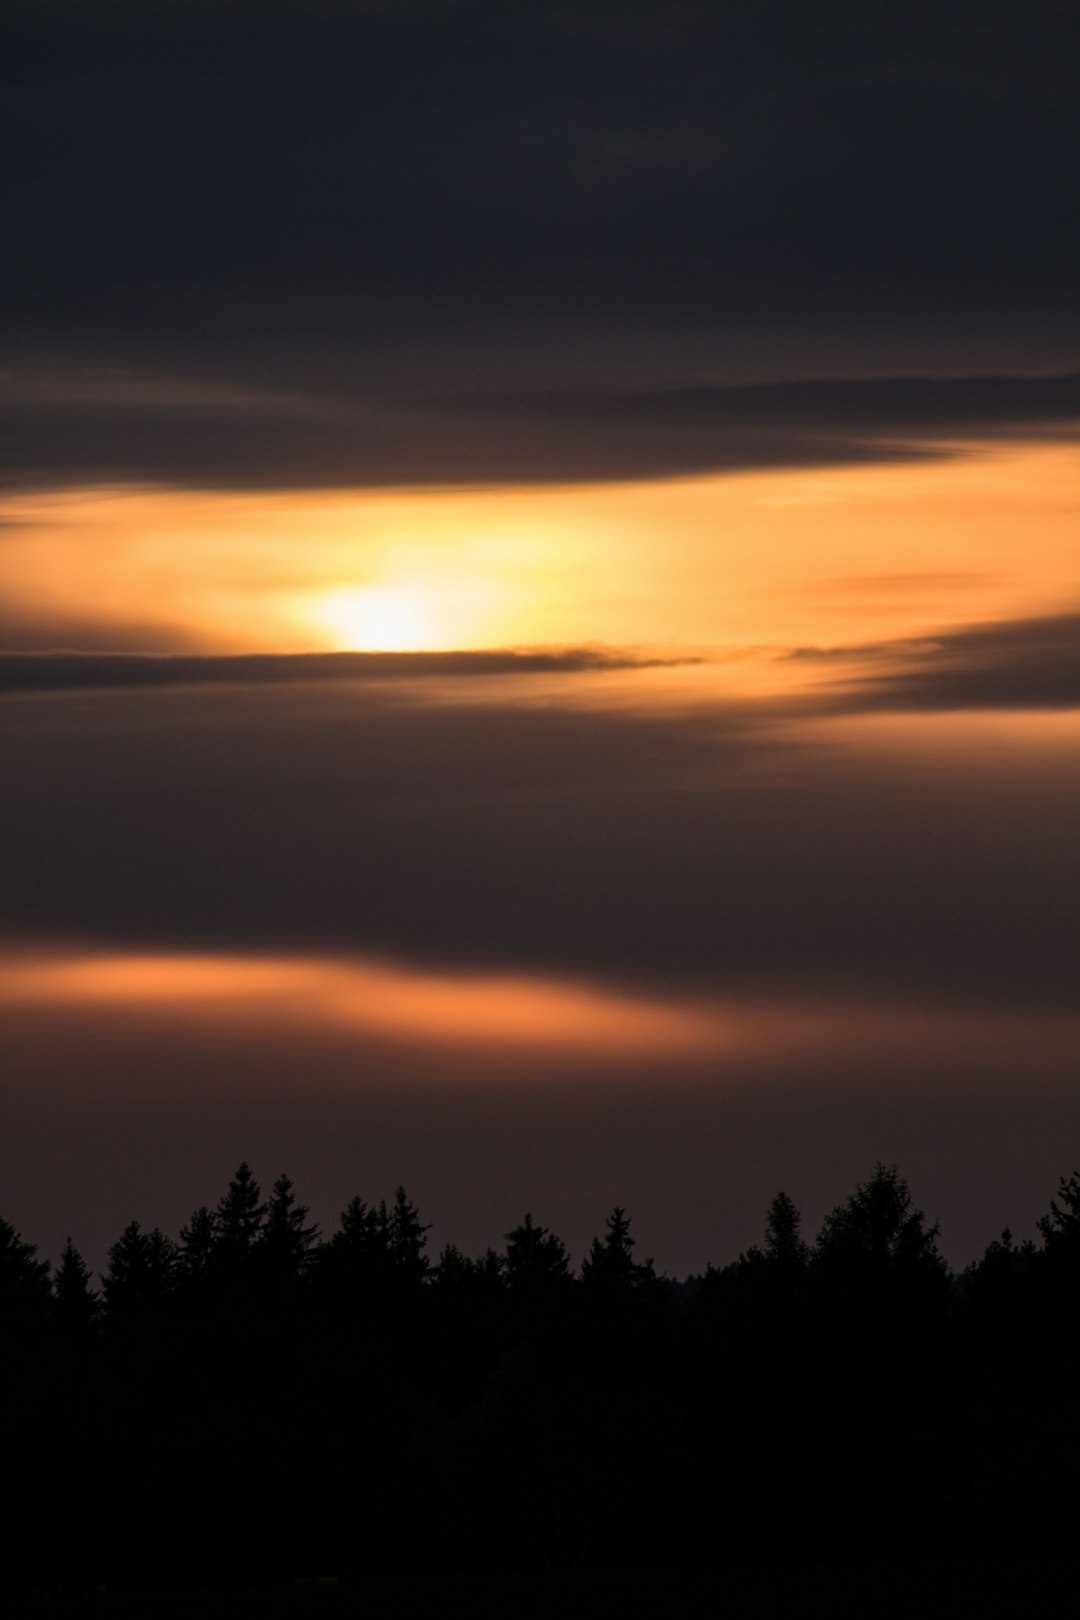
(540, 611)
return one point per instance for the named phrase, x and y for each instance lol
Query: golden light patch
(762, 560)
(378, 618)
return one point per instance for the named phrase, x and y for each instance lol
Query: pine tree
(1061, 1228)
(142, 1269)
(77, 1304)
(24, 1280)
(537, 1264)
(239, 1225)
(784, 1247)
(877, 1245)
(351, 1268)
(454, 1272)
(198, 1241)
(286, 1242)
(359, 1231)
(406, 1238)
(610, 1268)
(1059, 1258)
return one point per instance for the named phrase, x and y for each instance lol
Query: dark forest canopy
(254, 1395)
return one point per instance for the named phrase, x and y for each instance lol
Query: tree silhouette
(24, 1280)
(537, 1269)
(198, 1246)
(783, 1255)
(784, 1247)
(1061, 1227)
(359, 1237)
(142, 1270)
(534, 1254)
(767, 1285)
(454, 1270)
(406, 1237)
(1060, 1258)
(848, 1402)
(878, 1235)
(285, 1241)
(77, 1303)
(240, 1212)
(239, 1227)
(610, 1271)
(458, 1277)
(349, 1272)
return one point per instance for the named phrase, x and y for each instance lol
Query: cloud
(51, 672)
(854, 410)
(101, 434)
(289, 225)
(513, 1019)
(1011, 664)
(736, 848)
(395, 445)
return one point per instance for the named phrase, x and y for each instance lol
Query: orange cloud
(774, 559)
(369, 998)
(526, 1019)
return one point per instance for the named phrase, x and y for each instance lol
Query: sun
(378, 618)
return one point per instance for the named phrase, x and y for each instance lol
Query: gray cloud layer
(306, 242)
(521, 436)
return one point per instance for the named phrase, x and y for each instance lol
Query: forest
(256, 1398)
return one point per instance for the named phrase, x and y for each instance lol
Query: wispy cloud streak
(1014, 664)
(45, 672)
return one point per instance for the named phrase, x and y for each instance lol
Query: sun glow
(379, 618)
(772, 559)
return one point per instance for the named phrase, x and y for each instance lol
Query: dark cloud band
(1012, 664)
(135, 430)
(47, 672)
(333, 216)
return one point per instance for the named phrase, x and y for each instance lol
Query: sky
(540, 611)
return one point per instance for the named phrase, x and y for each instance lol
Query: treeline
(257, 1397)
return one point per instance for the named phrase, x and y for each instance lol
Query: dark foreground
(832, 1592)
(837, 1428)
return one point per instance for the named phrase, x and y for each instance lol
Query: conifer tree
(784, 1247)
(406, 1238)
(239, 1224)
(537, 1264)
(453, 1267)
(24, 1280)
(1060, 1229)
(359, 1230)
(610, 1267)
(285, 1241)
(198, 1241)
(877, 1245)
(352, 1264)
(482, 1277)
(77, 1303)
(142, 1269)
